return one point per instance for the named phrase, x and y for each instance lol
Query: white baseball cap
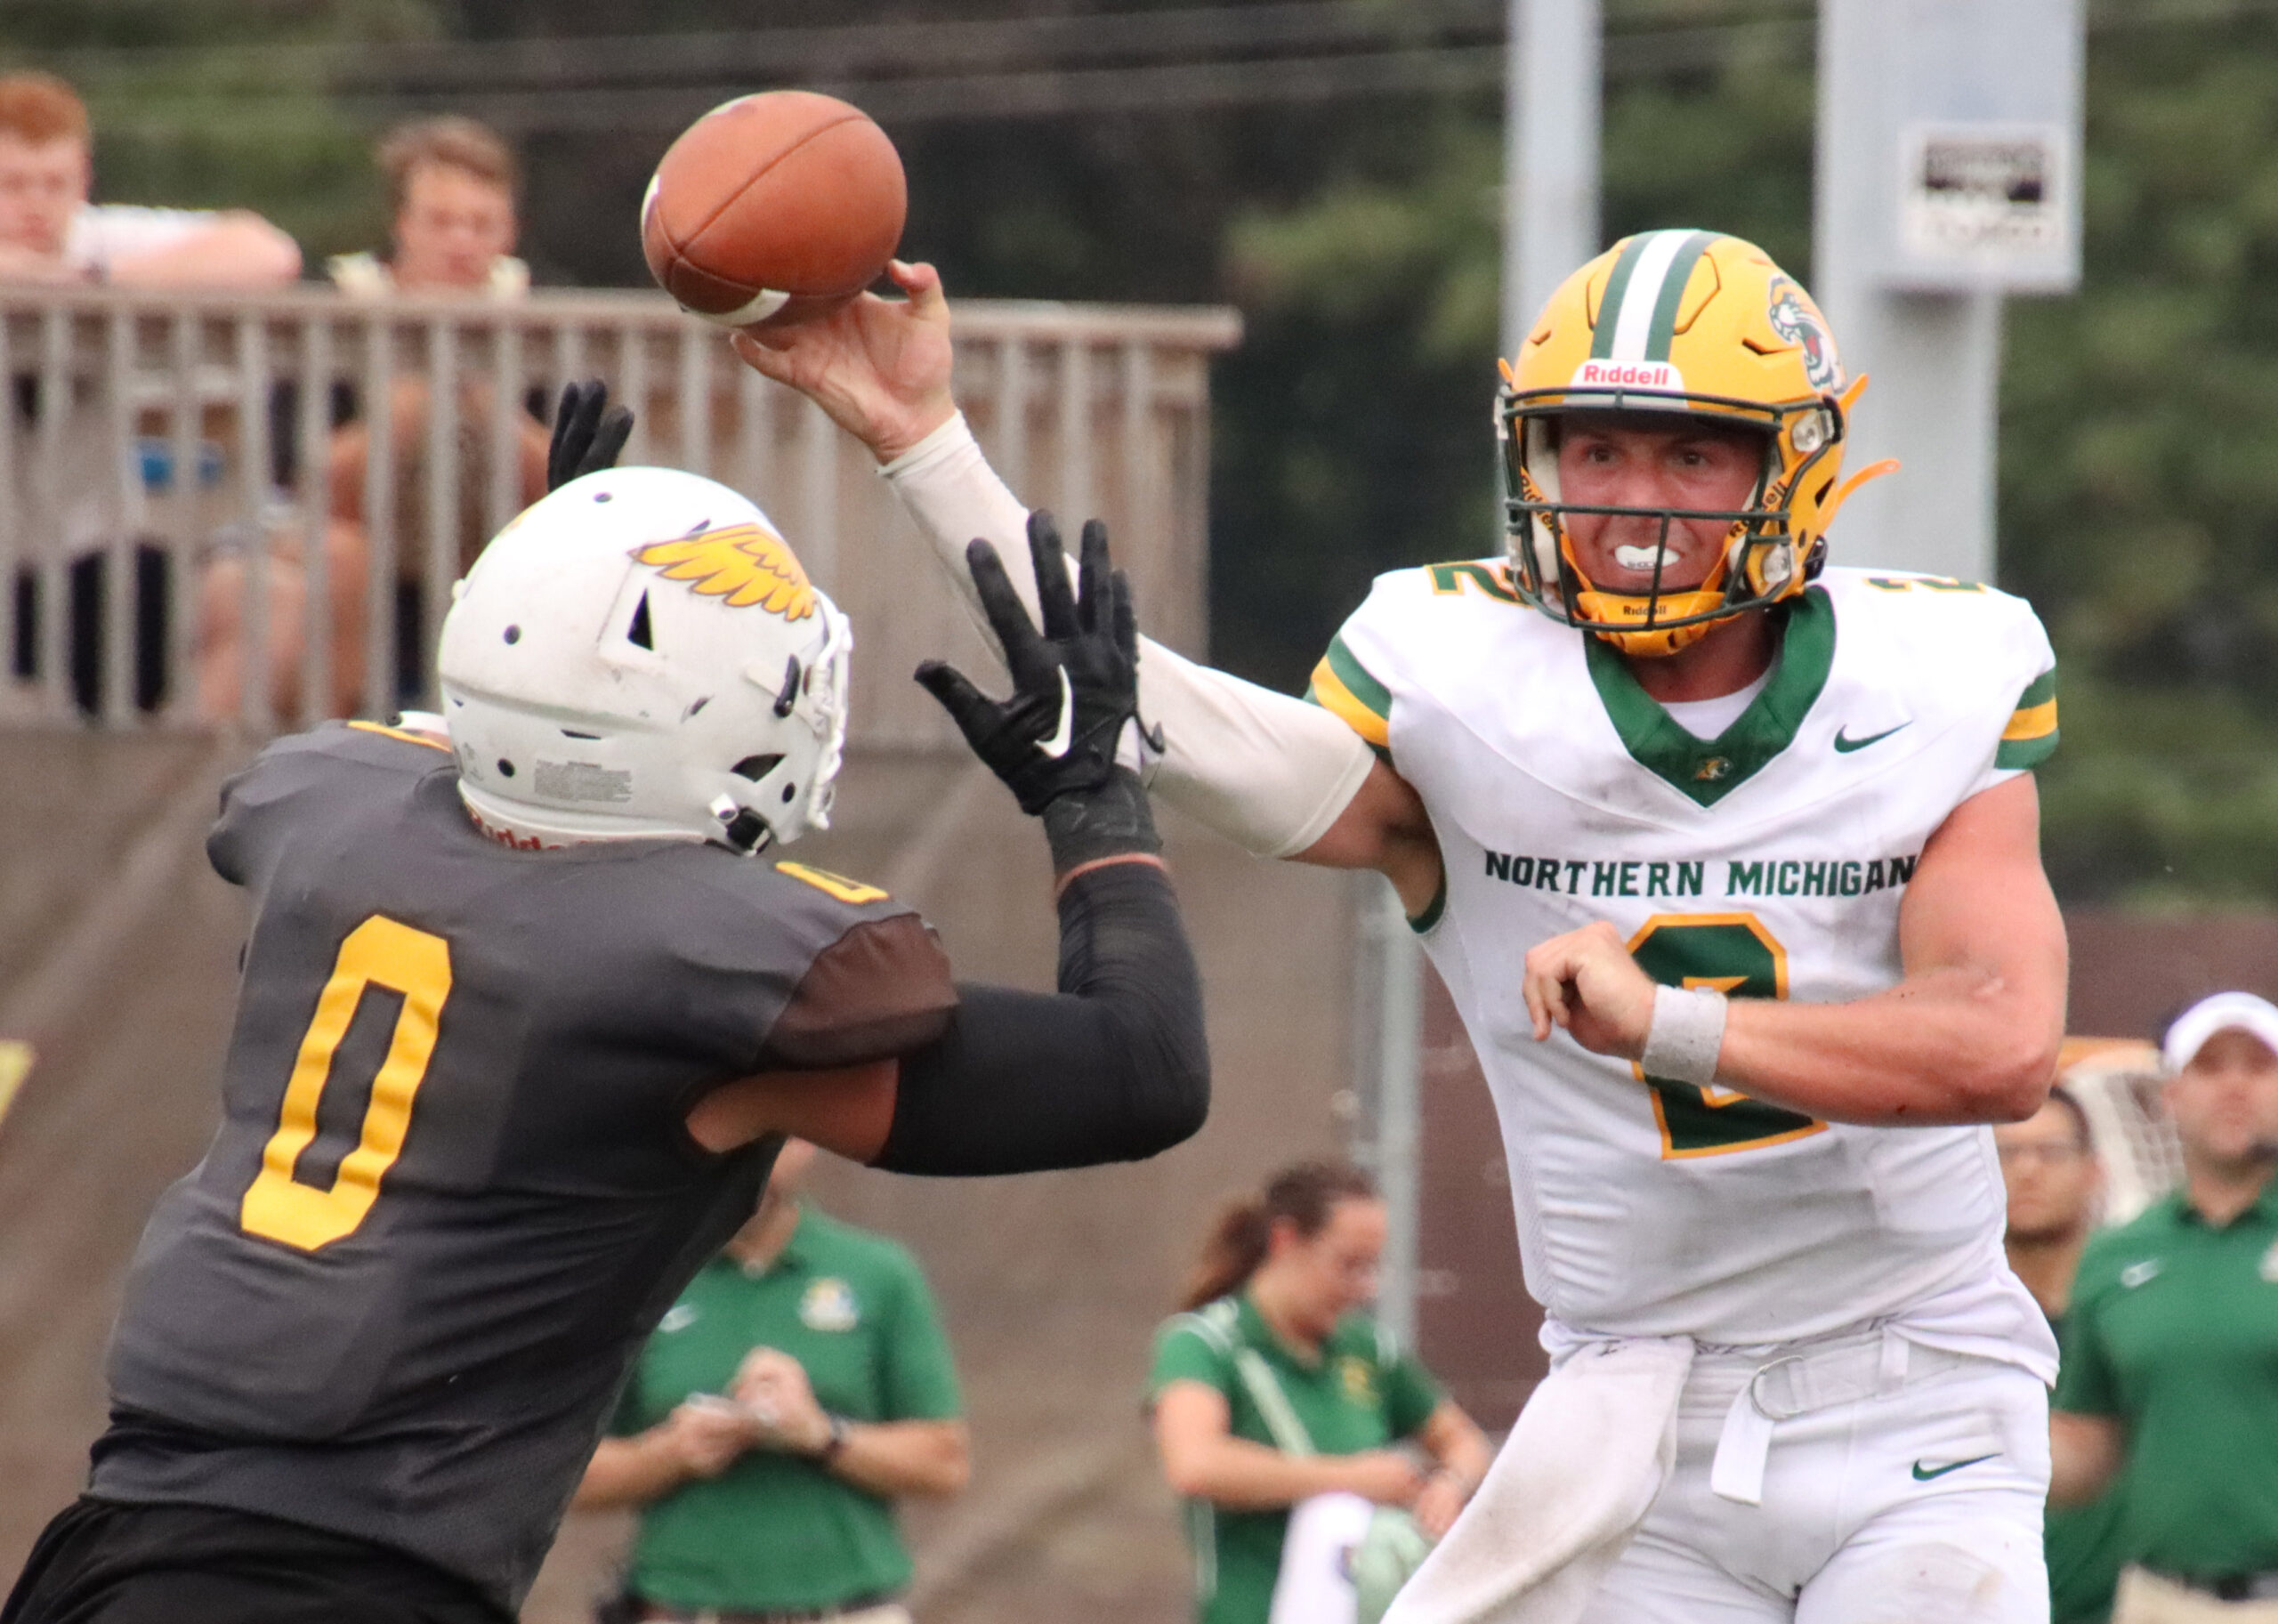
(2223, 1012)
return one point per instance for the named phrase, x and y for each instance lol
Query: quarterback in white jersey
(1730, 863)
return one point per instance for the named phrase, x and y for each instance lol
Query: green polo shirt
(2174, 1332)
(775, 1531)
(2082, 1545)
(1360, 1391)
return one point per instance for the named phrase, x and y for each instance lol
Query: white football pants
(1920, 1505)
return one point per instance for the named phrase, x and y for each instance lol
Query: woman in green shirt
(1273, 1387)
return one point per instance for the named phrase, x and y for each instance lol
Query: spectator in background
(1272, 1388)
(451, 190)
(2049, 1166)
(798, 1388)
(2169, 1384)
(50, 233)
(451, 197)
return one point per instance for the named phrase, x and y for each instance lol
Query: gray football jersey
(452, 1189)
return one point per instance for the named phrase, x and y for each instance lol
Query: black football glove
(1073, 687)
(586, 439)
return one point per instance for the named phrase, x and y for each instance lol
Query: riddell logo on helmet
(1628, 374)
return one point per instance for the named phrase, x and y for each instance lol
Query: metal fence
(204, 518)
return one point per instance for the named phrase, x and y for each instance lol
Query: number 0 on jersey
(379, 952)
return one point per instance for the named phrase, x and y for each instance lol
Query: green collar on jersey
(1707, 770)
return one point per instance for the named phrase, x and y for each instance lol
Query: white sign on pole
(1984, 193)
(1977, 103)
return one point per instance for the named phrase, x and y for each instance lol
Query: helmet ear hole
(757, 767)
(638, 634)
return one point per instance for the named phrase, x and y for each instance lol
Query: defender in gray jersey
(526, 1012)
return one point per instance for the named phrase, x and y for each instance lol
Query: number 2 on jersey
(1734, 954)
(379, 952)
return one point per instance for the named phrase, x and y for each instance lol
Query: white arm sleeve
(1265, 769)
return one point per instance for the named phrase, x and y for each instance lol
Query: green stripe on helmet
(1617, 287)
(1663, 331)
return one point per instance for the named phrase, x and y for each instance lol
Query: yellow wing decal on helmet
(744, 563)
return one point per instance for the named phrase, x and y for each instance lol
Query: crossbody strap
(1265, 1390)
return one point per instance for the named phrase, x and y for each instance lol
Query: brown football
(777, 208)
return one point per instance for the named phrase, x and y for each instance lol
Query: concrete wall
(2131, 974)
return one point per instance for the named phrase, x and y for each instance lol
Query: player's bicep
(1979, 901)
(848, 1109)
(1385, 827)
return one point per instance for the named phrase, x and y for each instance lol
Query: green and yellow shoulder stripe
(2031, 737)
(1342, 686)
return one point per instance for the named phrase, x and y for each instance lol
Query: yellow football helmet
(1679, 321)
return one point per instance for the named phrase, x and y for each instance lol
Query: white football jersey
(1769, 862)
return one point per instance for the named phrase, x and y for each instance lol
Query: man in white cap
(2170, 1370)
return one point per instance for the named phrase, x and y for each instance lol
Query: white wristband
(1687, 1032)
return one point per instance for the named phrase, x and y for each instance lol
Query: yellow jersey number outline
(379, 952)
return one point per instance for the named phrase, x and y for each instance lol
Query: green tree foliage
(205, 103)
(2139, 475)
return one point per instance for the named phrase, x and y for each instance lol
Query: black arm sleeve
(1113, 1068)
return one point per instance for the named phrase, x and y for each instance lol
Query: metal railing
(204, 518)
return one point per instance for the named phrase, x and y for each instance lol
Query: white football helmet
(640, 655)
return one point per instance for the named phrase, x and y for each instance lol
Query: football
(773, 208)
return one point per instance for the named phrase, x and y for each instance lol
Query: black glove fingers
(609, 440)
(1074, 683)
(573, 431)
(974, 712)
(1126, 626)
(1049, 556)
(1026, 656)
(583, 443)
(565, 413)
(1094, 611)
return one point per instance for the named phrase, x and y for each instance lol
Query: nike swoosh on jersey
(1062, 736)
(1845, 745)
(1922, 1474)
(2139, 1273)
